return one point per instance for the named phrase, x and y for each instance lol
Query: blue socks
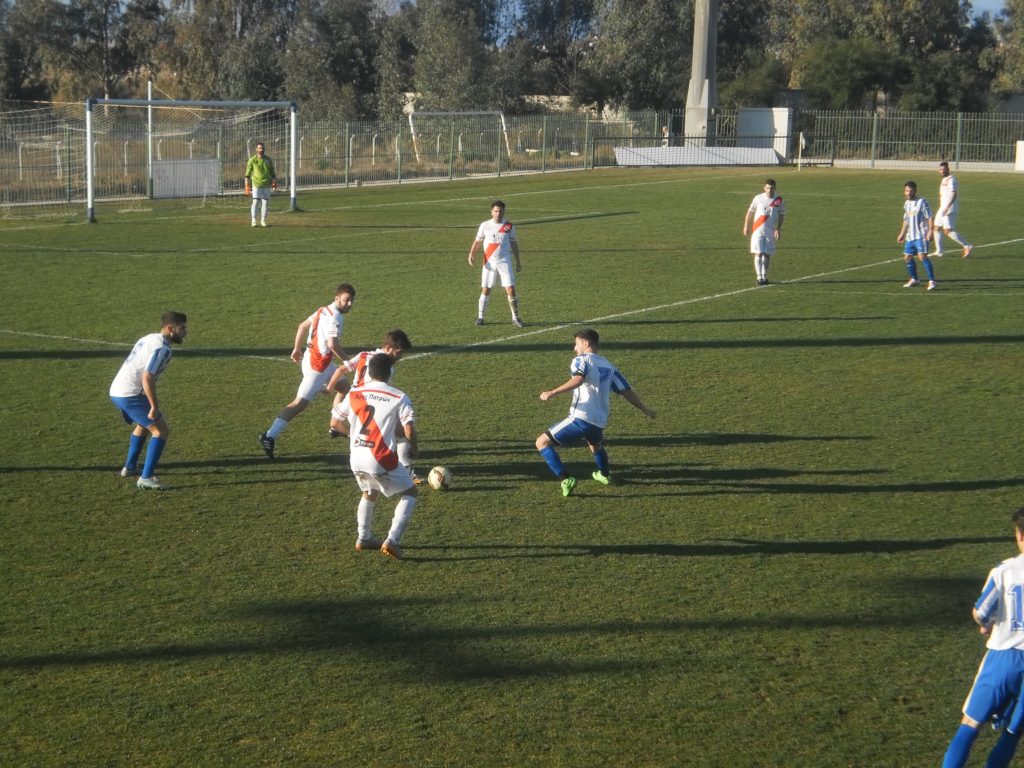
(554, 462)
(960, 747)
(912, 269)
(156, 447)
(928, 267)
(135, 443)
(601, 459)
(1002, 752)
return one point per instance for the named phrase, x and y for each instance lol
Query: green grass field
(781, 575)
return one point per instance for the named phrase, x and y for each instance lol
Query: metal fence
(42, 157)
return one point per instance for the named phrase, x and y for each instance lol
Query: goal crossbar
(151, 104)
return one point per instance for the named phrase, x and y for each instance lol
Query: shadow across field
(727, 548)
(425, 642)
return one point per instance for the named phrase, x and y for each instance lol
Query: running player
(498, 238)
(945, 218)
(375, 411)
(317, 343)
(396, 343)
(763, 221)
(996, 693)
(592, 380)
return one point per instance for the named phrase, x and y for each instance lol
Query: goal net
(459, 139)
(182, 149)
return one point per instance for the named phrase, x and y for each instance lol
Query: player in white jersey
(945, 217)
(763, 220)
(915, 233)
(134, 392)
(376, 413)
(996, 692)
(396, 343)
(592, 380)
(317, 343)
(498, 238)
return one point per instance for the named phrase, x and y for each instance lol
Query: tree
(451, 58)
(328, 58)
(756, 84)
(640, 54)
(847, 74)
(393, 65)
(1010, 58)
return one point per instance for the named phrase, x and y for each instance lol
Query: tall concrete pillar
(702, 97)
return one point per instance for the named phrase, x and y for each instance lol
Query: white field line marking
(539, 331)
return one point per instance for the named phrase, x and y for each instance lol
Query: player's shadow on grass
(724, 548)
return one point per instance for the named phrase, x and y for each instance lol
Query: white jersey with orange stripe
(324, 324)
(375, 411)
(767, 211)
(497, 238)
(357, 366)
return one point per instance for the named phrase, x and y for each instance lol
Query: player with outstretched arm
(592, 380)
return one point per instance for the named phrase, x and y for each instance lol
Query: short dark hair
(345, 288)
(771, 181)
(397, 339)
(380, 367)
(173, 318)
(1018, 519)
(589, 334)
(944, 164)
(499, 203)
(912, 185)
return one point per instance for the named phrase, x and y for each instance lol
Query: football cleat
(967, 251)
(267, 444)
(932, 285)
(568, 486)
(601, 477)
(518, 322)
(911, 283)
(368, 545)
(150, 484)
(391, 549)
(478, 321)
(125, 472)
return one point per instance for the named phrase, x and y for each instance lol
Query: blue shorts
(996, 687)
(914, 247)
(570, 430)
(134, 409)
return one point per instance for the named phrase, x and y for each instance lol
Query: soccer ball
(439, 478)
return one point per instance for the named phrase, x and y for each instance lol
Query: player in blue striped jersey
(592, 380)
(996, 693)
(134, 393)
(915, 233)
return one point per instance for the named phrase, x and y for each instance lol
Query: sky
(992, 6)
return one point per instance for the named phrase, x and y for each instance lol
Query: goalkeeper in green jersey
(260, 179)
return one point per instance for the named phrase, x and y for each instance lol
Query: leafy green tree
(393, 66)
(329, 57)
(847, 74)
(756, 84)
(641, 52)
(1010, 57)
(452, 58)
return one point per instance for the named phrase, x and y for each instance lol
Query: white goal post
(192, 176)
(423, 125)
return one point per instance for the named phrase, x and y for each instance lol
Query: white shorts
(762, 244)
(948, 221)
(498, 268)
(261, 193)
(395, 481)
(314, 382)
